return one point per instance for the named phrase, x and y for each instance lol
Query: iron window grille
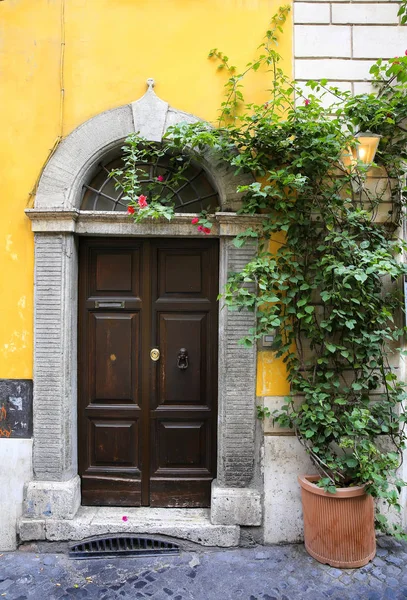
(190, 194)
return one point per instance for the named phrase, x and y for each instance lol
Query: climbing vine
(327, 275)
(402, 12)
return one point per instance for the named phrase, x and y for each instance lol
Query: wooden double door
(148, 339)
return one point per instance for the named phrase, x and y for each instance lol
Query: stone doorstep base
(191, 524)
(52, 499)
(235, 506)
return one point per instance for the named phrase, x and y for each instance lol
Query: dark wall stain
(16, 402)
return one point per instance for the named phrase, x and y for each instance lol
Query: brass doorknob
(155, 354)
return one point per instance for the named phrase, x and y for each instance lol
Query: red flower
(194, 220)
(307, 101)
(160, 178)
(405, 52)
(125, 519)
(203, 229)
(130, 210)
(142, 201)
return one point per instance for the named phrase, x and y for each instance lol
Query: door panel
(114, 272)
(115, 366)
(181, 469)
(185, 385)
(182, 272)
(113, 443)
(180, 445)
(147, 430)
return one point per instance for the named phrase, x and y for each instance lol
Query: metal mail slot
(99, 304)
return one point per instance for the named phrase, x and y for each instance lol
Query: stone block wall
(340, 40)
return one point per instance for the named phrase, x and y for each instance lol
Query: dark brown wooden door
(147, 429)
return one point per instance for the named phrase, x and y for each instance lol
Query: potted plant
(330, 288)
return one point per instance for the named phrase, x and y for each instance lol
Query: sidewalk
(260, 573)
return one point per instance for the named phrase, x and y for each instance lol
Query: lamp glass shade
(366, 147)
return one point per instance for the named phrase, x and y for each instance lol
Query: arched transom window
(191, 194)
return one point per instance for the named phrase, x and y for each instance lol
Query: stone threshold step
(191, 524)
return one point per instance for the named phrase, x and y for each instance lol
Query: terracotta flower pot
(338, 528)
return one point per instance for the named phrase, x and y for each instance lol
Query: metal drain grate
(122, 545)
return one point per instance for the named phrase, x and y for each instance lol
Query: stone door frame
(57, 221)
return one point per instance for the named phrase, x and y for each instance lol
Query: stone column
(233, 500)
(55, 491)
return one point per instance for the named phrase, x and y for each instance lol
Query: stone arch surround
(54, 493)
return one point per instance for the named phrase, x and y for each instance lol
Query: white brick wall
(305, 12)
(339, 40)
(386, 41)
(333, 69)
(373, 14)
(322, 40)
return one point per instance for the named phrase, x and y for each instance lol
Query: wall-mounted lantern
(364, 151)
(367, 145)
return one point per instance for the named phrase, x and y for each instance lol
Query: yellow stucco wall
(111, 48)
(271, 371)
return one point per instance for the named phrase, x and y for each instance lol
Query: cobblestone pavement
(260, 573)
